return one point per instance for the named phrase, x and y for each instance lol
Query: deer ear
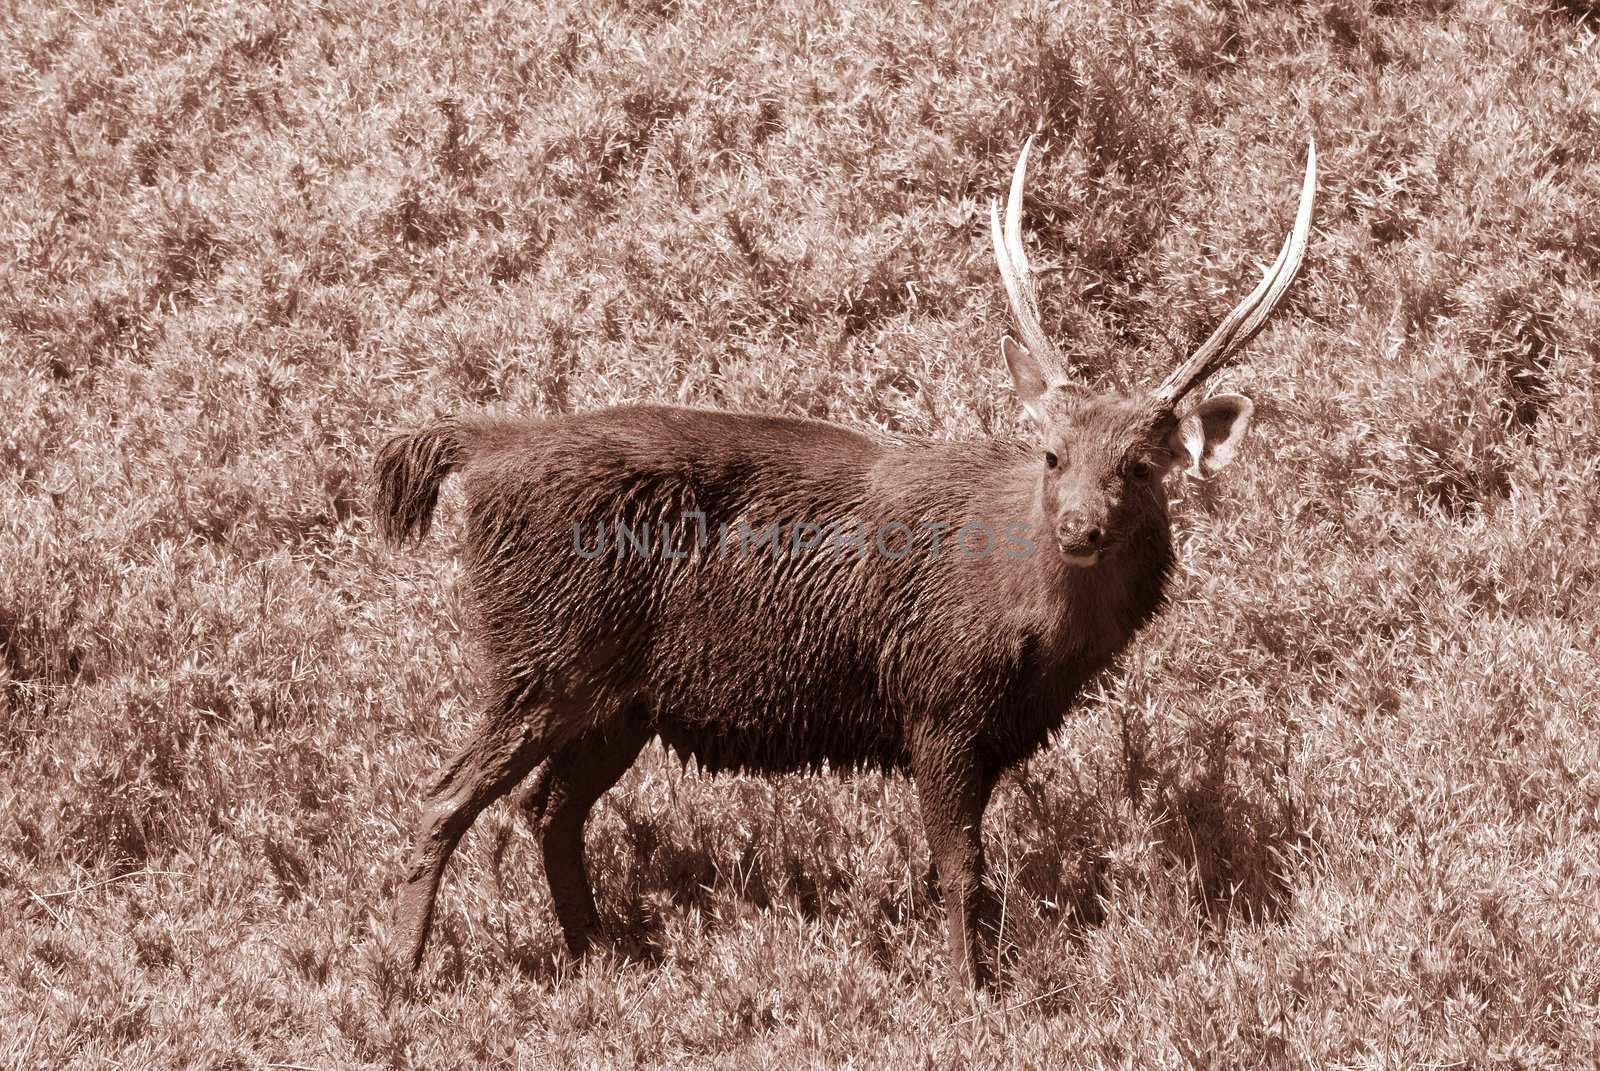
(1208, 437)
(1027, 377)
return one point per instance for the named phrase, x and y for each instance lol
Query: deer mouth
(1083, 557)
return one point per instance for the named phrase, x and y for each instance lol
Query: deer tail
(410, 468)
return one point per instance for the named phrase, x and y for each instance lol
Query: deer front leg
(953, 787)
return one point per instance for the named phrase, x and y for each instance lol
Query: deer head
(1103, 458)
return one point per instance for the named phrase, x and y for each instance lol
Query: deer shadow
(1051, 851)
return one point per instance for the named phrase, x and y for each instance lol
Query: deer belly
(771, 734)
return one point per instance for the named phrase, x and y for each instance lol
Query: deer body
(768, 657)
(922, 606)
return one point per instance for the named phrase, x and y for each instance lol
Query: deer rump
(599, 593)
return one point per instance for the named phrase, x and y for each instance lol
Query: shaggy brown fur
(952, 661)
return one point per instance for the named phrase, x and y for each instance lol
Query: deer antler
(1017, 276)
(1248, 317)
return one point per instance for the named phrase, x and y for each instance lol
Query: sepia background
(1338, 806)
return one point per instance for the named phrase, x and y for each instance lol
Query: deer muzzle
(1081, 539)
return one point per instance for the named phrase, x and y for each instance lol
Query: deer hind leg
(557, 805)
(512, 742)
(954, 787)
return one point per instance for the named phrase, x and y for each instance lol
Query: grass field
(1339, 807)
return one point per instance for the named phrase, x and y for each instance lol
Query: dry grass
(1338, 808)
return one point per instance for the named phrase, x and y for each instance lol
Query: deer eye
(1050, 460)
(1140, 470)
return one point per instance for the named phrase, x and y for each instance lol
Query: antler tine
(1016, 273)
(1249, 315)
(1019, 179)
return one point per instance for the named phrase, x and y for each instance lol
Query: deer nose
(1078, 536)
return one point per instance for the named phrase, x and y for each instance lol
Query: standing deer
(888, 648)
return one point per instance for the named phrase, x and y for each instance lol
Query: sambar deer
(846, 632)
